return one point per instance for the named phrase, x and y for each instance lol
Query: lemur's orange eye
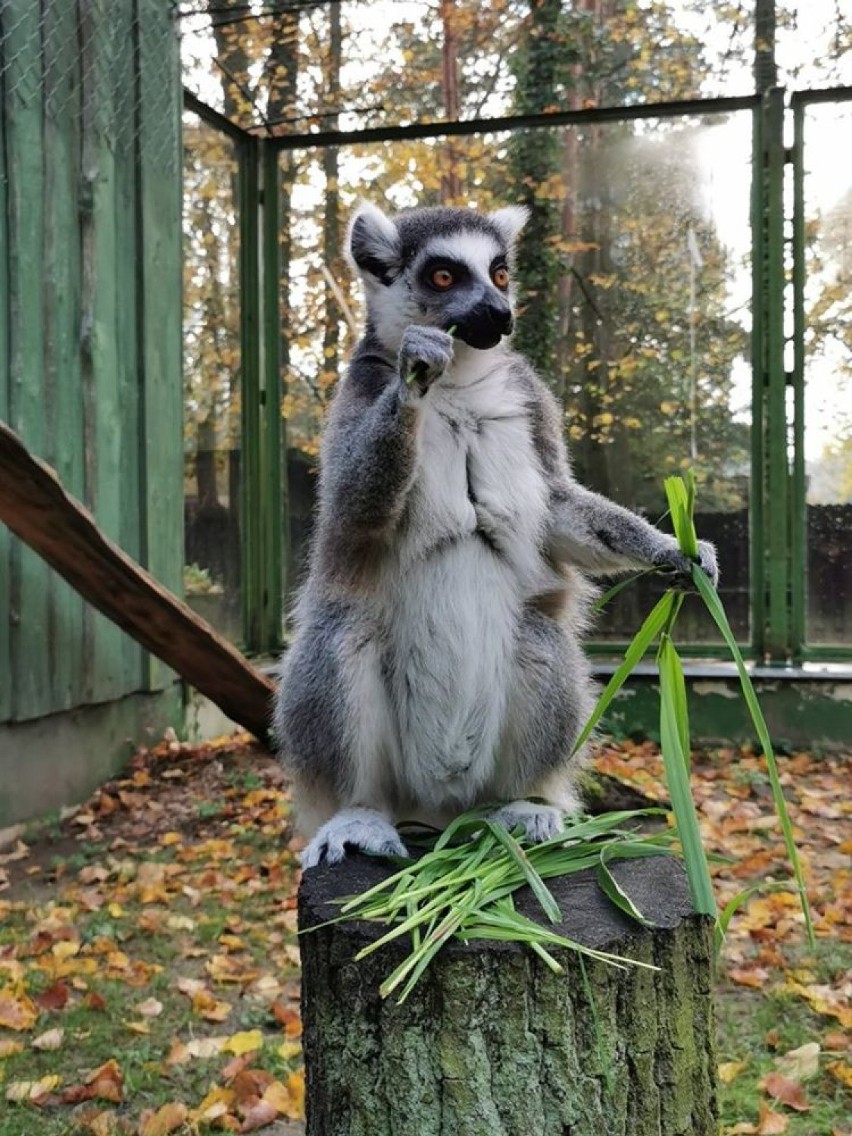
(442, 278)
(500, 276)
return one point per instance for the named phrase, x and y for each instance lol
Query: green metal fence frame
(777, 585)
(803, 650)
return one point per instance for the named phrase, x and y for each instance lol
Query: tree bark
(492, 1043)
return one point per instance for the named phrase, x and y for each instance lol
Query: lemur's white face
(448, 268)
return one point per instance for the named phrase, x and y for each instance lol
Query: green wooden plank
(29, 586)
(122, 25)
(104, 454)
(251, 534)
(63, 399)
(5, 539)
(276, 512)
(159, 244)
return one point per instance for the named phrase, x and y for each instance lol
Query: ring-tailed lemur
(436, 662)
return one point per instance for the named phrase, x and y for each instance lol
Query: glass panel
(828, 373)
(635, 292)
(211, 376)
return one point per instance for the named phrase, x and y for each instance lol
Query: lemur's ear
(509, 221)
(374, 244)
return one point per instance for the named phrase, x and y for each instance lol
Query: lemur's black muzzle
(485, 324)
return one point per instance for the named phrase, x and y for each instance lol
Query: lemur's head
(447, 268)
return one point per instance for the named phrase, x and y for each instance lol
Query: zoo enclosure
(785, 555)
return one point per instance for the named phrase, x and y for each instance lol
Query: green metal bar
(821, 95)
(273, 474)
(712, 651)
(250, 465)
(798, 508)
(826, 652)
(776, 528)
(758, 370)
(418, 130)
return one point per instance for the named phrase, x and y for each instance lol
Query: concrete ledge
(807, 706)
(51, 762)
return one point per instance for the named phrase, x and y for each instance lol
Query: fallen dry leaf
(771, 1123)
(102, 1124)
(165, 1120)
(206, 1047)
(20, 1091)
(9, 1046)
(842, 1071)
(257, 1115)
(17, 1011)
(150, 1008)
(730, 1070)
(244, 1042)
(787, 1091)
(50, 1039)
(800, 1064)
(107, 1081)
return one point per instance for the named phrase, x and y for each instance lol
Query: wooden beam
(62, 531)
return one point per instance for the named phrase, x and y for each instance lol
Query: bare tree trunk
(451, 186)
(331, 232)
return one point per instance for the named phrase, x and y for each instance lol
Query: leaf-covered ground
(149, 965)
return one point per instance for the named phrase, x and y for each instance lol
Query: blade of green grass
(616, 893)
(642, 640)
(676, 766)
(537, 885)
(717, 611)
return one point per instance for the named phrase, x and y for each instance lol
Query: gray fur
(437, 660)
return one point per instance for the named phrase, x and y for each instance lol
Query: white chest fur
(468, 557)
(478, 471)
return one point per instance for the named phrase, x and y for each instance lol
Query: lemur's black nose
(501, 316)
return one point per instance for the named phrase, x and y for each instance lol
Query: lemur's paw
(678, 564)
(424, 355)
(539, 822)
(364, 829)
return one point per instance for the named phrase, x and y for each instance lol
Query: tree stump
(492, 1043)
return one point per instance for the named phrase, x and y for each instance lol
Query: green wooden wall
(90, 319)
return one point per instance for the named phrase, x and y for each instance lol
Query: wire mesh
(83, 64)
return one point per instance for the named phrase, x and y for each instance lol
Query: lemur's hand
(424, 355)
(670, 559)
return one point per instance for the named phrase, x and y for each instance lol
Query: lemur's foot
(539, 822)
(364, 829)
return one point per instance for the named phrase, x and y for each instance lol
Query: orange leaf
(165, 1120)
(770, 1123)
(258, 1115)
(54, 998)
(786, 1091)
(842, 1071)
(296, 1089)
(107, 1081)
(749, 976)
(17, 1011)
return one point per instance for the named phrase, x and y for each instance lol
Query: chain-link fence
(84, 65)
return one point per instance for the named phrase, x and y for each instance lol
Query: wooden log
(493, 1043)
(38, 510)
